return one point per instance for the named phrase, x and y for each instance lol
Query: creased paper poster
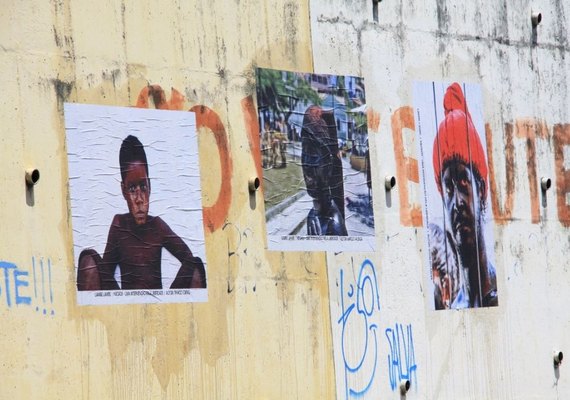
(316, 161)
(456, 207)
(136, 205)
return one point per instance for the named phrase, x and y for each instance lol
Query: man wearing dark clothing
(322, 170)
(462, 272)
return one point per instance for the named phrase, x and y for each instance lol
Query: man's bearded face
(462, 204)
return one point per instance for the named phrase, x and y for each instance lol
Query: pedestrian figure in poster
(462, 274)
(136, 239)
(322, 171)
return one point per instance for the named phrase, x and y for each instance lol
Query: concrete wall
(270, 328)
(485, 353)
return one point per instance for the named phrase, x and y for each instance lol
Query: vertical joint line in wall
(311, 40)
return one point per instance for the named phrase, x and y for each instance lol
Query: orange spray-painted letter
(530, 129)
(502, 214)
(215, 215)
(562, 140)
(406, 167)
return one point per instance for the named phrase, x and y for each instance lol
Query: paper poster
(316, 161)
(136, 205)
(456, 202)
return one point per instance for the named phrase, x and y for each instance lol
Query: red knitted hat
(458, 138)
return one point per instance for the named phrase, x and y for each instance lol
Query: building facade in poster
(136, 205)
(455, 180)
(316, 161)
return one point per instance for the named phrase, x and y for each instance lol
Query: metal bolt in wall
(558, 356)
(253, 184)
(389, 182)
(32, 176)
(536, 18)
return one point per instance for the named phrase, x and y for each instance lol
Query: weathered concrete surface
(495, 353)
(265, 331)
(270, 327)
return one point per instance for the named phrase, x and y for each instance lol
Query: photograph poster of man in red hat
(456, 206)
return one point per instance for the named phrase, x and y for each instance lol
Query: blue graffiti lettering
(360, 364)
(6, 266)
(401, 360)
(17, 284)
(21, 282)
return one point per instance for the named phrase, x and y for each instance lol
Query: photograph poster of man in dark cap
(457, 208)
(136, 205)
(316, 161)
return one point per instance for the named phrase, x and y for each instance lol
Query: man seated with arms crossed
(136, 239)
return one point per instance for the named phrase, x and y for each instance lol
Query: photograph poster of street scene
(316, 161)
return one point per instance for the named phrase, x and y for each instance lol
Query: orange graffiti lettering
(562, 139)
(530, 129)
(158, 96)
(252, 129)
(373, 119)
(215, 215)
(502, 214)
(406, 167)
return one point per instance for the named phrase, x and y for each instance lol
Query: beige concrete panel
(35, 301)
(150, 33)
(97, 30)
(13, 168)
(29, 27)
(216, 36)
(265, 310)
